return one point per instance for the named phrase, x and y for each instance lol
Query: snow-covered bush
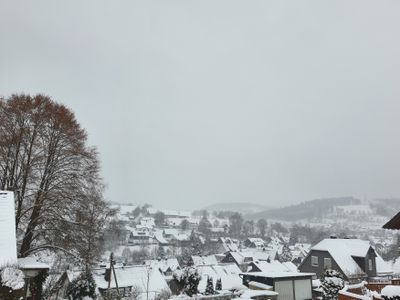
(391, 292)
(13, 278)
(11, 283)
(187, 281)
(331, 284)
(83, 286)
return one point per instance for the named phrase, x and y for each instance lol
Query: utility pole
(112, 273)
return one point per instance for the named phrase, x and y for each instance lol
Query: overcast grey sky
(193, 103)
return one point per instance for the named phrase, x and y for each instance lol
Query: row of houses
(155, 277)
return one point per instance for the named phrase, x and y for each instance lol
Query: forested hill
(304, 210)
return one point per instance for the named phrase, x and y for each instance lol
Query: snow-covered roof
(158, 235)
(382, 267)
(177, 234)
(147, 222)
(31, 263)
(257, 241)
(8, 244)
(204, 260)
(274, 266)
(228, 273)
(343, 251)
(290, 266)
(165, 264)
(354, 247)
(133, 276)
(228, 244)
(279, 274)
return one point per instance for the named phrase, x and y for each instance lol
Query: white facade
(8, 241)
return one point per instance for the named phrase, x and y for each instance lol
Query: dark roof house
(354, 258)
(393, 223)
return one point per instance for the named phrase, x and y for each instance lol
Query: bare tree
(45, 159)
(262, 226)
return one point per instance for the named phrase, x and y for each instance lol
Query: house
(140, 237)
(228, 244)
(29, 266)
(228, 273)
(146, 280)
(243, 258)
(176, 236)
(299, 252)
(393, 223)
(354, 258)
(288, 285)
(166, 266)
(254, 243)
(217, 231)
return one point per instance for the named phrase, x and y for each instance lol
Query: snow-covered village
(199, 150)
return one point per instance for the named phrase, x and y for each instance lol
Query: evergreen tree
(286, 254)
(210, 286)
(185, 259)
(218, 285)
(161, 253)
(331, 284)
(187, 281)
(83, 286)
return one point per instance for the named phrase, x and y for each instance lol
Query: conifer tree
(210, 286)
(331, 284)
(83, 286)
(218, 285)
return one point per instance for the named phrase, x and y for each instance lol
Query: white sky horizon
(195, 103)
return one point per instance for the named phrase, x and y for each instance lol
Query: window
(370, 265)
(327, 263)
(314, 261)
